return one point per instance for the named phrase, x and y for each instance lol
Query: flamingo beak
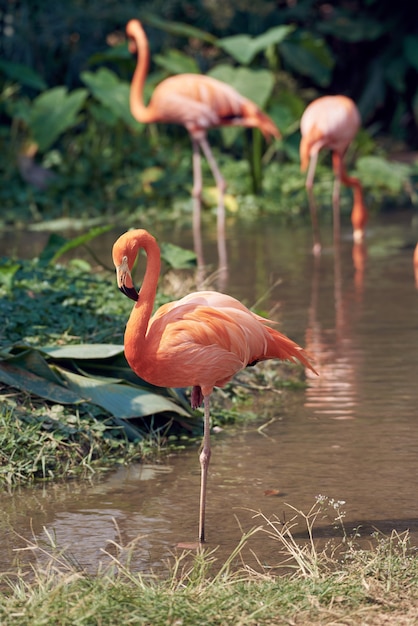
(124, 280)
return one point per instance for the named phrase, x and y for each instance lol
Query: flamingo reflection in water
(334, 392)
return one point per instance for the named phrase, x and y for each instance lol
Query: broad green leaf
(375, 89)
(54, 112)
(176, 62)
(57, 245)
(20, 109)
(178, 28)
(395, 73)
(410, 46)
(32, 360)
(120, 400)
(415, 107)
(352, 28)
(23, 74)
(178, 258)
(244, 48)
(83, 351)
(309, 56)
(103, 115)
(112, 92)
(257, 85)
(7, 272)
(113, 53)
(239, 47)
(37, 385)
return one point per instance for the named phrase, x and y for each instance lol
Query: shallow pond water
(351, 435)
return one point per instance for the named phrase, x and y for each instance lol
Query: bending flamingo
(200, 341)
(198, 103)
(332, 122)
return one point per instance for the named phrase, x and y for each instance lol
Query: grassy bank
(302, 585)
(75, 414)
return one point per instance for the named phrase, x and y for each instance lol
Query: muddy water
(351, 435)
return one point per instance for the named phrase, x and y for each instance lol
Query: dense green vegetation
(70, 403)
(66, 128)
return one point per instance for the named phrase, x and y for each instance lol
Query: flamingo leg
(312, 205)
(337, 166)
(197, 202)
(221, 185)
(204, 459)
(336, 208)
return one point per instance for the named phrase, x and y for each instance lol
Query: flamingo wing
(200, 102)
(206, 338)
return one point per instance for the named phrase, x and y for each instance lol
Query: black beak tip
(130, 292)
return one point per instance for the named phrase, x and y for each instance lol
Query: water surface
(351, 435)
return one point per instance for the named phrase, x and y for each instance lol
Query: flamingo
(198, 103)
(332, 122)
(415, 262)
(200, 341)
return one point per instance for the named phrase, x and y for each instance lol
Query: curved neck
(136, 98)
(137, 325)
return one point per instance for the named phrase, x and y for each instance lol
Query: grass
(49, 304)
(375, 587)
(40, 441)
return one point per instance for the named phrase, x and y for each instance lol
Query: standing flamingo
(332, 122)
(201, 340)
(199, 103)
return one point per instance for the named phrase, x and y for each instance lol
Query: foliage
(41, 441)
(74, 106)
(347, 585)
(45, 304)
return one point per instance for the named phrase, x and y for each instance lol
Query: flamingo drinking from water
(332, 122)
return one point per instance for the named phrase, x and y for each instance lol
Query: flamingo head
(123, 258)
(133, 31)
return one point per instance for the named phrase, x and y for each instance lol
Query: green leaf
(244, 48)
(83, 351)
(309, 56)
(54, 112)
(121, 400)
(178, 258)
(7, 272)
(28, 382)
(410, 46)
(239, 47)
(257, 85)
(57, 245)
(23, 74)
(176, 62)
(395, 73)
(32, 360)
(111, 92)
(113, 53)
(178, 28)
(352, 28)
